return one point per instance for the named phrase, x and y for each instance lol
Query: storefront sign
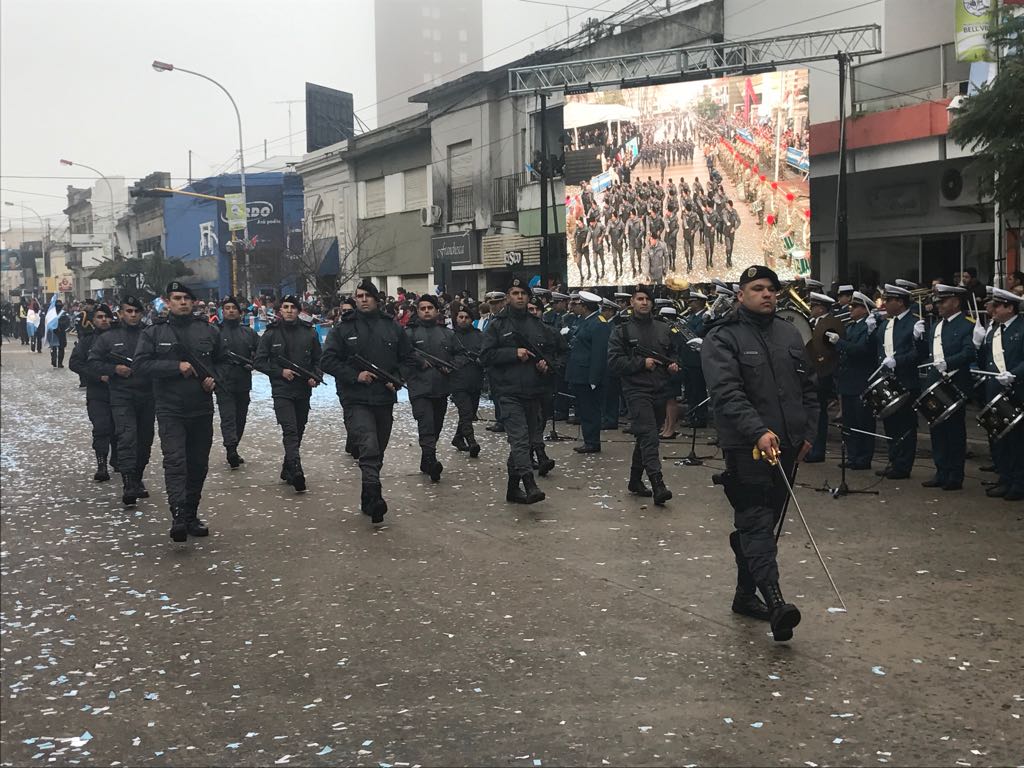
(513, 258)
(454, 248)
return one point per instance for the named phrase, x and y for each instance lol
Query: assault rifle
(376, 370)
(237, 359)
(187, 356)
(533, 349)
(117, 357)
(658, 358)
(284, 362)
(442, 365)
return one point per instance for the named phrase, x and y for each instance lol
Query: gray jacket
(759, 379)
(658, 255)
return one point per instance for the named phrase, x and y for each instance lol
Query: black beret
(429, 299)
(231, 300)
(291, 298)
(132, 301)
(647, 290)
(102, 308)
(759, 272)
(518, 282)
(370, 288)
(537, 302)
(175, 287)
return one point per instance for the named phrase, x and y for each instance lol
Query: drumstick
(877, 371)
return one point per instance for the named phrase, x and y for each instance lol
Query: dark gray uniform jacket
(157, 357)
(624, 362)
(298, 342)
(242, 340)
(469, 378)
(759, 379)
(122, 339)
(507, 374)
(379, 339)
(95, 389)
(436, 340)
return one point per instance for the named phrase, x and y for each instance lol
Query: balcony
(908, 79)
(505, 194)
(460, 204)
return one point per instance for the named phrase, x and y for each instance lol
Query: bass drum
(1001, 416)
(799, 321)
(940, 401)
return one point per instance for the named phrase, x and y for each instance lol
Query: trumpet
(796, 300)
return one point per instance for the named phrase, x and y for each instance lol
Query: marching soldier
(467, 381)
(821, 306)
(948, 347)
(555, 311)
(710, 228)
(97, 392)
(427, 374)
(585, 371)
(641, 353)
(364, 354)
(516, 352)
(556, 343)
(635, 236)
(131, 397)
(1002, 353)
(730, 223)
(856, 362)
(691, 225)
(898, 352)
(179, 355)
(656, 257)
(762, 392)
(616, 235)
(288, 345)
(238, 343)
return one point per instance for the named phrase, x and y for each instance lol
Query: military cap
(668, 311)
(493, 296)
(622, 295)
(518, 282)
(846, 288)
(1005, 297)
(590, 298)
(864, 299)
(132, 301)
(760, 272)
(811, 283)
(697, 295)
(291, 298)
(541, 292)
(367, 286)
(647, 290)
(231, 300)
(432, 300)
(821, 298)
(891, 291)
(175, 287)
(910, 285)
(609, 304)
(556, 296)
(663, 302)
(943, 291)
(102, 308)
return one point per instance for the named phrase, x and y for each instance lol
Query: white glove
(871, 323)
(979, 334)
(695, 343)
(919, 329)
(565, 331)
(890, 363)
(1006, 378)
(831, 338)
(593, 387)
(940, 366)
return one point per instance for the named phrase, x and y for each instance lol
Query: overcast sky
(76, 81)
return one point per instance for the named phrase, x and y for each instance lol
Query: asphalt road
(587, 629)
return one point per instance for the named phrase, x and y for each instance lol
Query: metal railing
(907, 79)
(505, 193)
(460, 203)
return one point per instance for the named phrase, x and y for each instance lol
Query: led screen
(689, 182)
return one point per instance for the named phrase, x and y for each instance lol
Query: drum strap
(937, 351)
(998, 355)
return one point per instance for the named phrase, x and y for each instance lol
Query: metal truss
(695, 62)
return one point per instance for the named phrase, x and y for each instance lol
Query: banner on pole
(235, 211)
(973, 21)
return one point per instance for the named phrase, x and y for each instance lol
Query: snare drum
(940, 401)
(884, 396)
(1001, 416)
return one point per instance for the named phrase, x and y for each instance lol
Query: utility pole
(289, 102)
(543, 191)
(842, 235)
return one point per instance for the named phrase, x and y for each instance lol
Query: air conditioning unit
(960, 189)
(430, 215)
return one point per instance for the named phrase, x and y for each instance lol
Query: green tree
(154, 269)
(991, 122)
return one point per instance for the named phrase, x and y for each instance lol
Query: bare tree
(308, 252)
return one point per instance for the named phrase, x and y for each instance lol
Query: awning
(330, 263)
(578, 115)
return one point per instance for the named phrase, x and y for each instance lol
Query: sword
(773, 459)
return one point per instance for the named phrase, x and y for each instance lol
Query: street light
(163, 66)
(42, 230)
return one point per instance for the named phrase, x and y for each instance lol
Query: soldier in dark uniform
(517, 354)
(373, 337)
(821, 306)
(97, 392)
(295, 341)
(131, 397)
(616, 235)
(949, 349)
(690, 227)
(595, 243)
(467, 381)
(856, 362)
(730, 223)
(898, 352)
(235, 376)
(183, 391)
(635, 237)
(645, 386)
(710, 227)
(582, 240)
(762, 392)
(671, 240)
(558, 346)
(585, 371)
(428, 381)
(657, 259)
(695, 389)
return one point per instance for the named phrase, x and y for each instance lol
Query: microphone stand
(844, 489)
(553, 436)
(693, 460)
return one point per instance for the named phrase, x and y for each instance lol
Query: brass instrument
(793, 297)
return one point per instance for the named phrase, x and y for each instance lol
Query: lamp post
(110, 189)
(162, 66)
(42, 231)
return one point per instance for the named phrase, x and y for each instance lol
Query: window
(415, 189)
(374, 198)
(437, 35)
(435, 12)
(426, 12)
(463, 36)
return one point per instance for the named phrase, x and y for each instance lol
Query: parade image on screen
(688, 182)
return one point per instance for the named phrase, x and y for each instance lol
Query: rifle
(534, 351)
(442, 365)
(237, 359)
(376, 370)
(117, 357)
(470, 355)
(187, 356)
(658, 358)
(304, 372)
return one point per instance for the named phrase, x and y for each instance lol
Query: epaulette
(602, 318)
(673, 329)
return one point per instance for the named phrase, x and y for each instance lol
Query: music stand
(693, 460)
(553, 436)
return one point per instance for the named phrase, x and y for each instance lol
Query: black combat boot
(377, 506)
(515, 494)
(661, 493)
(782, 615)
(286, 472)
(140, 486)
(233, 458)
(102, 474)
(130, 493)
(636, 483)
(365, 499)
(544, 463)
(298, 478)
(193, 524)
(435, 471)
(745, 602)
(425, 463)
(459, 441)
(179, 525)
(533, 493)
(474, 447)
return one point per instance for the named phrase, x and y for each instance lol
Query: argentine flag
(31, 323)
(52, 318)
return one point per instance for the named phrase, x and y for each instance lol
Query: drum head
(799, 321)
